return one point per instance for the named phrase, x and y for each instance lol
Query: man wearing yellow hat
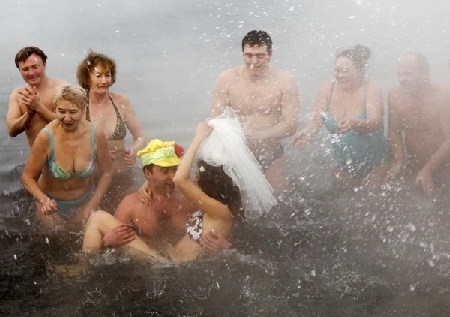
(160, 221)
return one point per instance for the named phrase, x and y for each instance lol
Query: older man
(266, 100)
(31, 106)
(419, 124)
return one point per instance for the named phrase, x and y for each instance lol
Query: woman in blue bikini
(351, 109)
(59, 172)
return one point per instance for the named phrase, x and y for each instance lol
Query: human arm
(104, 162)
(32, 171)
(220, 94)
(313, 125)
(212, 207)
(132, 123)
(395, 139)
(17, 118)
(29, 97)
(123, 233)
(214, 242)
(442, 154)
(374, 113)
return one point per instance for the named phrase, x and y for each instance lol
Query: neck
(258, 75)
(97, 98)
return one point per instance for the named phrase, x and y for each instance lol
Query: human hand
(129, 158)
(344, 126)
(300, 139)
(203, 130)
(145, 193)
(214, 242)
(47, 206)
(112, 154)
(425, 178)
(29, 97)
(118, 236)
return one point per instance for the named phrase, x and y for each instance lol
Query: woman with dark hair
(351, 108)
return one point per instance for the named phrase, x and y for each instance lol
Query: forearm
(441, 156)
(32, 187)
(45, 113)
(102, 186)
(17, 126)
(138, 144)
(278, 131)
(184, 169)
(364, 125)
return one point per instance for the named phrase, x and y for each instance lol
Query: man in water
(31, 106)
(160, 221)
(266, 100)
(419, 124)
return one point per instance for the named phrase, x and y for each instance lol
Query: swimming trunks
(355, 152)
(266, 155)
(70, 208)
(59, 172)
(121, 130)
(194, 226)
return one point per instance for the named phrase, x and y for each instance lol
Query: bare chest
(419, 116)
(247, 97)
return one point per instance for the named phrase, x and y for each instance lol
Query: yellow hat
(161, 153)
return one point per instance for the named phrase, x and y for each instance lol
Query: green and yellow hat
(164, 154)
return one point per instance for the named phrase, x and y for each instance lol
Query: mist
(170, 52)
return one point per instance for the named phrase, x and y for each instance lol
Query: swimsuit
(355, 152)
(267, 155)
(194, 226)
(60, 173)
(70, 208)
(121, 130)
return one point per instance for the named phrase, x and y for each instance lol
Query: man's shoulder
(54, 82)
(231, 72)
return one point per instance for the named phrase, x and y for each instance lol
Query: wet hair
(73, 94)
(422, 62)
(359, 55)
(89, 63)
(257, 38)
(215, 183)
(26, 52)
(149, 168)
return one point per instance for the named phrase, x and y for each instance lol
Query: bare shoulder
(230, 74)
(373, 88)
(53, 82)
(129, 204)
(120, 99)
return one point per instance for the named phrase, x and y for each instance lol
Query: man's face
(256, 58)
(32, 69)
(161, 178)
(408, 73)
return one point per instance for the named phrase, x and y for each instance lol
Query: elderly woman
(351, 109)
(59, 172)
(114, 114)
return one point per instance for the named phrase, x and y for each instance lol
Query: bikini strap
(94, 126)
(115, 108)
(50, 139)
(329, 97)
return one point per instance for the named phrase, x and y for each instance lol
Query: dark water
(322, 252)
(319, 253)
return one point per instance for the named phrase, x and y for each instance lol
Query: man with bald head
(419, 124)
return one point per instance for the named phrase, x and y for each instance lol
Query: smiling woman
(114, 114)
(60, 168)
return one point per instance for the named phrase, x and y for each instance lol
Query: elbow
(12, 132)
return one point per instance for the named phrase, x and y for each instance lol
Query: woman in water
(226, 171)
(351, 109)
(59, 172)
(113, 114)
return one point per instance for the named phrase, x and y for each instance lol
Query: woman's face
(70, 115)
(100, 79)
(346, 73)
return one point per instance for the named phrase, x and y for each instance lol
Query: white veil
(226, 146)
